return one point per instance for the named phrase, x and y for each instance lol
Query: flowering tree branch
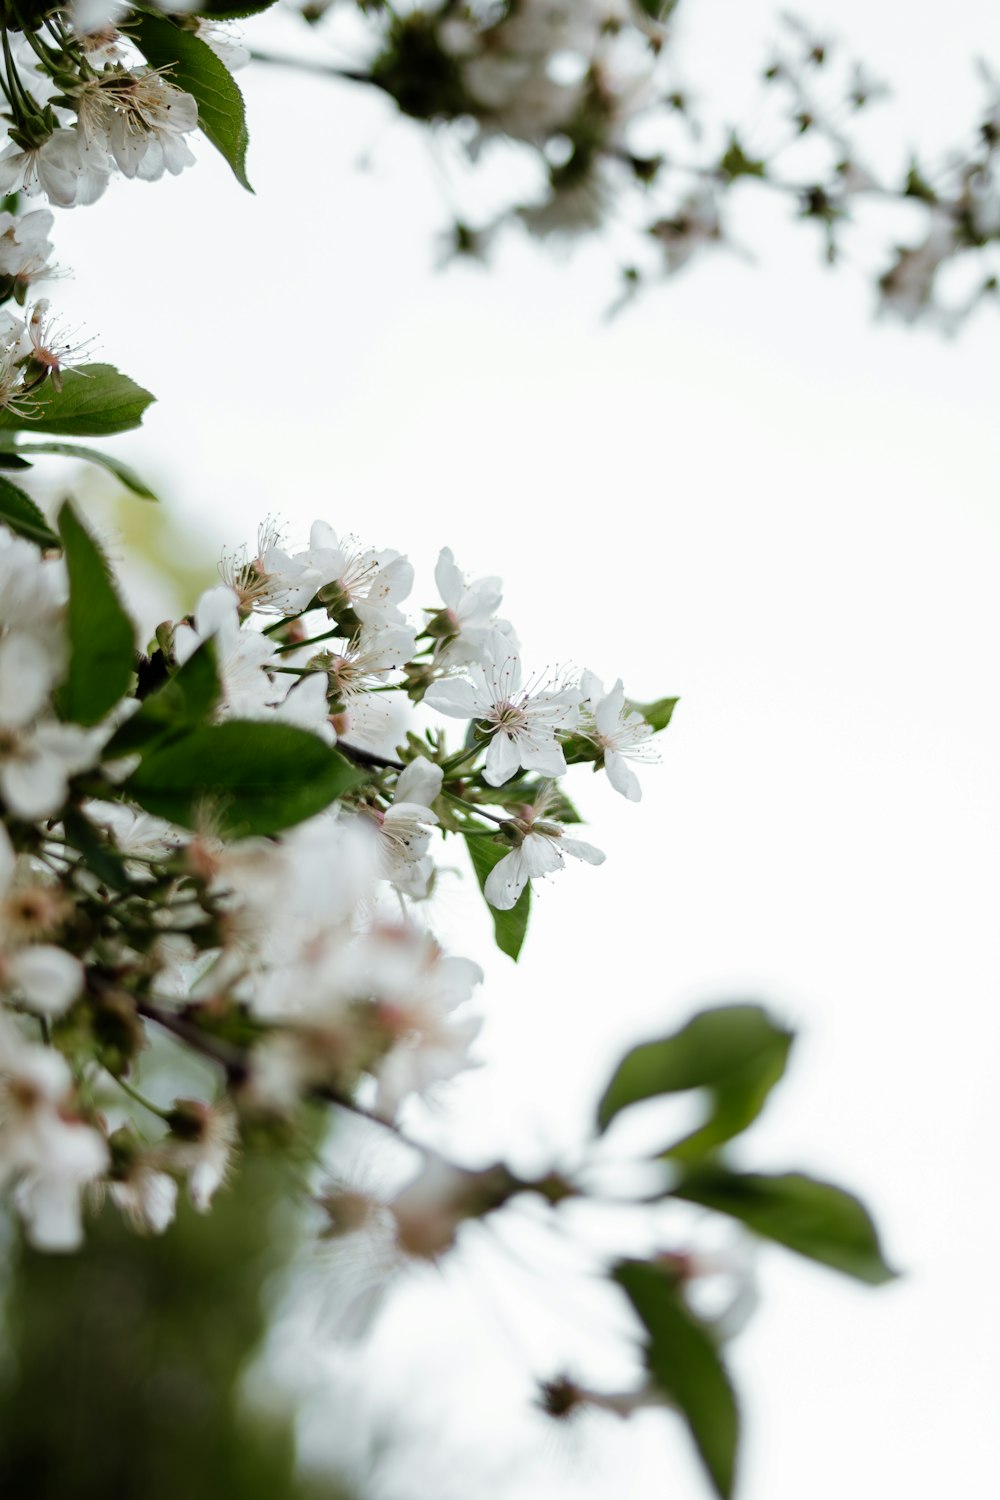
(231, 837)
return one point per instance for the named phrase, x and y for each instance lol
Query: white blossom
(404, 829)
(146, 1197)
(374, 653)
(272, 580)
(371, 583)
(139, 119)
(469, 615)
(138, 835)
(24, 243)
(47, 1154)
(243, 656)
(621, 733)
(63, 167)
(541, 849)
(305, 705)
(36, 765)
(417, 989)
(45, 978)
(522, 723)
(206, 1150)
(226, 44)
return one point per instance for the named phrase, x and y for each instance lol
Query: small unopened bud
(429, 1211)
(347, 1211)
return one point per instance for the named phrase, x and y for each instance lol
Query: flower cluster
(296, 921)
(83, 104)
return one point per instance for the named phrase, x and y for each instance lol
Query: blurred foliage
(122, 1364)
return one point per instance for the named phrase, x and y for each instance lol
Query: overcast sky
(744, 492)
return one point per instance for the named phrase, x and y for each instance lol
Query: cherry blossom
(620, 733)
(522, 723)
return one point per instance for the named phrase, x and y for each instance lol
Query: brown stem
(368, 758)
(234, 1061)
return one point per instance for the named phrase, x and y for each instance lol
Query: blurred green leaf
(231, 12)
(735, 1052)
(247, 777)
(100, 858)
(509, 927)
(191, 65)
(127, 476)
(95, 401)
(21, 514)
(685, 1364)
(100, 634)
(812, 1218)
(656, 714)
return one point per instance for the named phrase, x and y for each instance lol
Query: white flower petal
(579, 850)
(49, 978)
(542, 855)
(454, 697)
(621, 776)
(503, 758)
(548, 760)
(608, 712)
(420, 783)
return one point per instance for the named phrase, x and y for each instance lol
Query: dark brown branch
(369, 758)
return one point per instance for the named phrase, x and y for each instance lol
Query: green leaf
(736, 1053)
(685, 1364)
(21, 514)
(100, 633)
(509, 927)
(192, 66)
(185, 701)
(248, 777)
(95, 400)
(224, 11)
(812, 1218)
(128, 477)
(13, 461)
(656, 714)
(98, 855)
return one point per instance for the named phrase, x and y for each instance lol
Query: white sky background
(746, 492)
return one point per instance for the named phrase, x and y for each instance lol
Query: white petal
(420, 783)
(449, 580)
(506, 881)
(305, 704)
(542, 855)
(8, 859)
(323, 538)
(50, 1208)
(49, 978)
(26, 678)
(608, 712)
(503, 758)
(33, 786)
(502, 665)
(217, 612)
(549, 760)
(621, 776)
(458, 978)
(580, 850)
(591, 688)
(454, 697)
